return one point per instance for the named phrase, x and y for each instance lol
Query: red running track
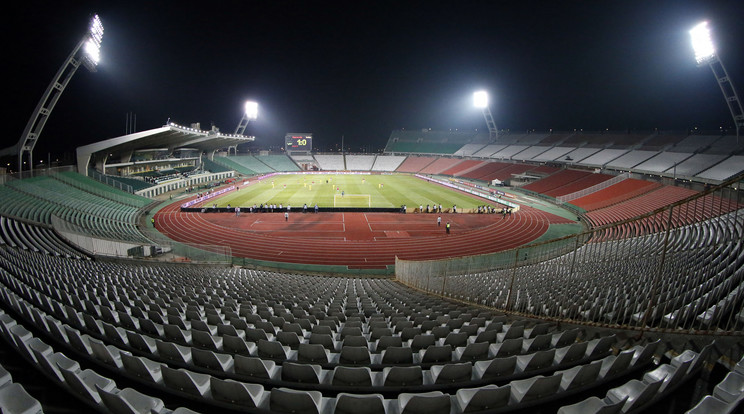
(356, 240)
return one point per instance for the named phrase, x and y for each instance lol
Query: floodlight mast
(250, 113)
(705, 54)
(85, 52)
(480, 100)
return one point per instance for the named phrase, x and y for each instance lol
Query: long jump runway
(356, 240)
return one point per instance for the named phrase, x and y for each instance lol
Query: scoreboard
(298, 142)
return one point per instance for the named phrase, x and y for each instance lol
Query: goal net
(352, 200)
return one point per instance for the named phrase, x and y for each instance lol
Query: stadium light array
(480, 99)
(88, 52)
(251, 110)
(705, 54)
(92, 45)
(702, 43)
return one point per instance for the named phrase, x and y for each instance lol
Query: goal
(352, 200)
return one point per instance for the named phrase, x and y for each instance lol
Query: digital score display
(298, 142)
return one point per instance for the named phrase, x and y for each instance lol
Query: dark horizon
(361, 71)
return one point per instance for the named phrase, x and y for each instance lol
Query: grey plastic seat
(434, 402)
(422, 341)
(324, 339)
(312, 353)
(436, 353)
(350, 331)
(536, 343)
(698, 359)
(237, 345)
(495, 326)
(239, 393)
(189, 382)
(354, 355)
(290, 339)
(402, 376)
(108, 354)
(506, 348)
(438, 331)
(486, 336)
(570, 353)
(15, 399)
(303, 373)
(115, 334)
(84, 383)
(255, 367)
(730, 389)
(580, 375)
(5, 377)
(377, 333)
(205, 340)
(352, 376)
(534, 388)
(388, 341)
(174, 352)
(495, 368)
(255, 335)
(211, 360)
(359, 404)
(615, 364)
(177, 334)
(536, 361)
(592, 405)
(600, 346)
(638, 393)
(397, 355)
(353, 340)
(488, 397)
(712, 405)
(538, 329)
(142, 367)
(272, 349)
(286, 400)
(472, 352)
(512, 332)
(644, 354)
(77, 341)
(451, 373)
(456, 339)
(142, 342)
(51, 363)
(129, 400)
(670, 375)
(564, 338)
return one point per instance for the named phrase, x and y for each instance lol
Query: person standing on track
(448, 227)
(439, 221)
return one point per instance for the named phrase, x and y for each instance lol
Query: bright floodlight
(480, 99)
(92, 46)
(702, 43)
(251, 110)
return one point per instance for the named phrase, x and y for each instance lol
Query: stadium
(454, 271)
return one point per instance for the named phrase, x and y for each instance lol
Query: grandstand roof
(169, 136)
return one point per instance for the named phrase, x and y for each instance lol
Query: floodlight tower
(86, 52)
(250, 113)
(480, 100)
(705, 54)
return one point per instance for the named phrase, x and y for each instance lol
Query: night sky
(362, 69)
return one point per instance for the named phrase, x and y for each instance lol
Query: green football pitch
(347, 190)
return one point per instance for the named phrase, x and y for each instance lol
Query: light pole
(705, 54)
(250, 113)
(87, 52)
(480, 100)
